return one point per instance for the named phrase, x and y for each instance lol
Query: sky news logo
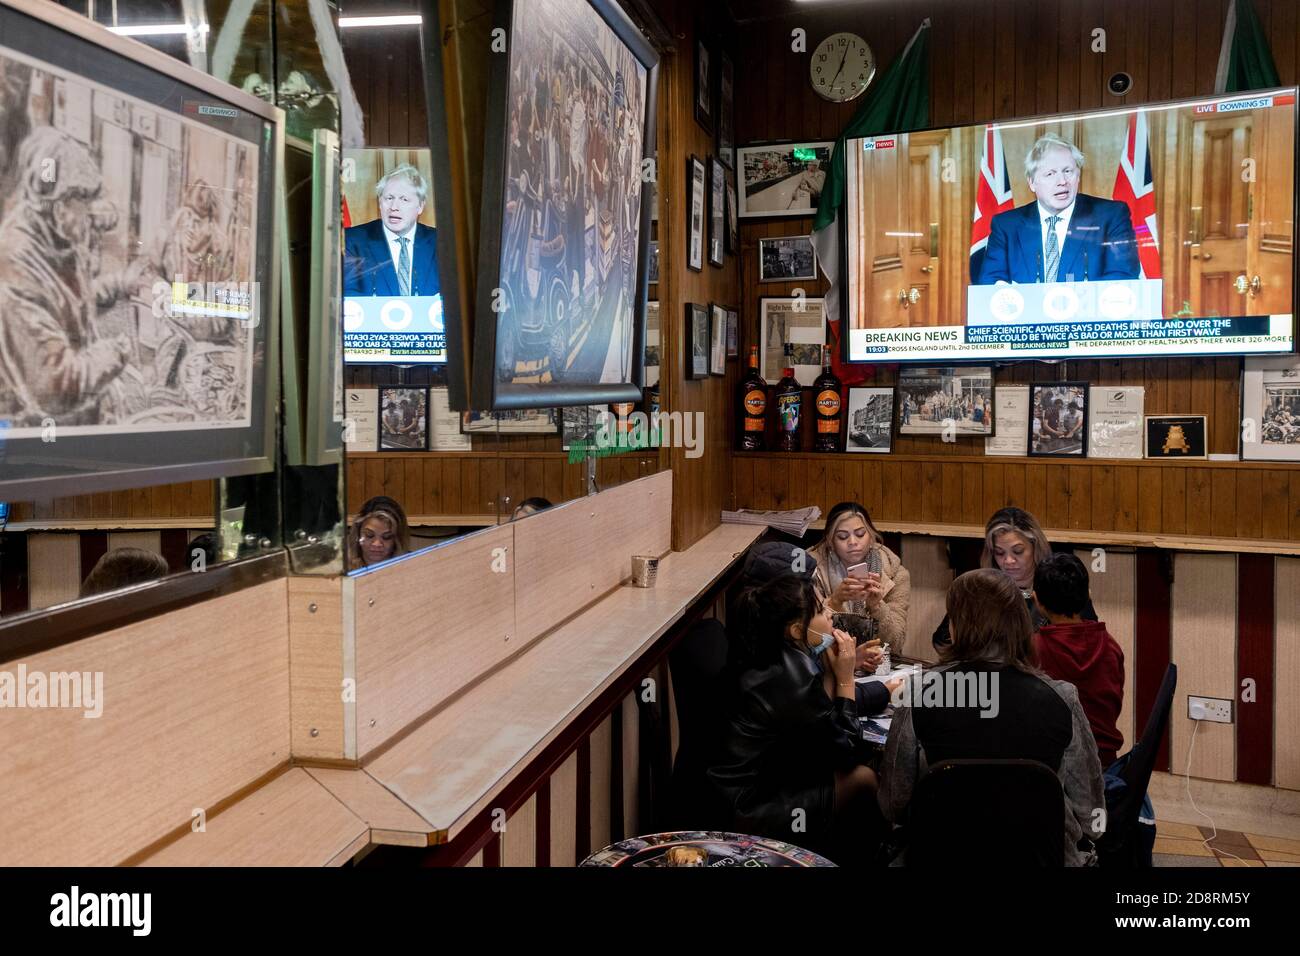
(879, 143)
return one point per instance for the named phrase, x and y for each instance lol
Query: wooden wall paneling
(1256, 662)
(1286, 755)
(599, 787)
(415, 648)
(519, 839)
(195, 706)
(1114, 597)
(926, 559)
(631, 771)
(53, 569)
(322, 719)
(564, 802)
(1204, 638)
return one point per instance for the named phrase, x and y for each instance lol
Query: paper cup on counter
(644, 570)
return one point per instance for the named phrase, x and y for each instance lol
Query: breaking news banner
(1111, 234)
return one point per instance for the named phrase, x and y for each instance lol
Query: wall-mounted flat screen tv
(1166, 230)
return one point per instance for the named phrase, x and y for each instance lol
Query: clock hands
(841, 69)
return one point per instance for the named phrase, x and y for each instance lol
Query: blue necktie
(403, 267)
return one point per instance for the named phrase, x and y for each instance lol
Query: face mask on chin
(818, 649)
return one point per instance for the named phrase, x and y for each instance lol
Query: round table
(703, 848)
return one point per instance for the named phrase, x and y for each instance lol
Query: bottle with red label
(753, 407)
(829, 406)
(789, 407)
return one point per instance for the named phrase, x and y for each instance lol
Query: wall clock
(842, 67)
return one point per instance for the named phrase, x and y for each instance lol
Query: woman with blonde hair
(878, 590)
(381, 532)
(1014, 543)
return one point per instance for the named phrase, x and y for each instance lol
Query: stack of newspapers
(791, 522)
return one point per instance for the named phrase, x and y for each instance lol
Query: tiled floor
(1181, 844)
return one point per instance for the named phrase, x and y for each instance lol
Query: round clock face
(842, 67)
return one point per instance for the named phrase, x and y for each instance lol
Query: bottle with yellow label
(829, 405)
(752, 403)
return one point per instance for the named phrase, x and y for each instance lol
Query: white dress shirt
(1062, 226)
(395, 250)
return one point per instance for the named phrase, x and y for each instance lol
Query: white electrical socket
(1214, 709)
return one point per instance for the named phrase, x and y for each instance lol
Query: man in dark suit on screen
(1063, 236)
(395, 254)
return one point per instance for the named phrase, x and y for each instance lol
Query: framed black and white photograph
(870, 420)
(703, 83)
(697, 340)
(954, 401)
(726, 110)
(403, 419)
(139, 264)
(783, 179)
(717, 210)
(733, 333)
(786, 259)
(651, 344)
(791, 332)
(733, 225)
(1270, 409)
(1175, 436)
(717, 340)
(580, 424)
(1058, 419)
(695, 220)
(523, 421)
(654, 263)
(563, 260)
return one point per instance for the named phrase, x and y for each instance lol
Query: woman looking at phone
(792, 741)
(857, 574)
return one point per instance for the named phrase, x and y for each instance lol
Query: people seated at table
(882, 595)
(530, 506)
(792, 762)
(1078, 651)
(380, 533)
(1016, 711)
(123, 568)
(770, 560)
(1014, 542)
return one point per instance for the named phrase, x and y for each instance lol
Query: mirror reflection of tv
(1162, 230)
(392, 291)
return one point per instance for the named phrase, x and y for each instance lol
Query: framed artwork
(324, 424)
(695, 221)
(733, 229)
(733, 333)
(523, 421)
(162, 172)
(560, 317)
(651, 344)
(717, 340)
(717, 210)
(1058, 419)
(726, 110)
(783, 179)
(786, 259)
(791, 332)
(940, 401)
(870, 420)
(1270, 409)
(403, 419)
(579, 424)
(697, 341)
(653, 277)
(703, 83)
(1175, 436)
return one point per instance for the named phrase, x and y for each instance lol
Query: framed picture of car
(870, 420)
(562, 280)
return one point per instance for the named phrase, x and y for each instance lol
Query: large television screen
(392, 292)
(1163, 230)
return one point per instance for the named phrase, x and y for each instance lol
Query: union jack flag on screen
(1134, 188)
(992, 196)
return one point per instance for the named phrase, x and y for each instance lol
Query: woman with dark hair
(1014, 543)
(380, 533)
(988, 700)
(879, 587)
(792, 758)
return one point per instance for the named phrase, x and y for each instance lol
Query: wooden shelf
(1021, 460)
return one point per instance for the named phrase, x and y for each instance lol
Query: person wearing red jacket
(1080, 651)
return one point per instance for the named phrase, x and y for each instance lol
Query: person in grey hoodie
(1018, 712)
